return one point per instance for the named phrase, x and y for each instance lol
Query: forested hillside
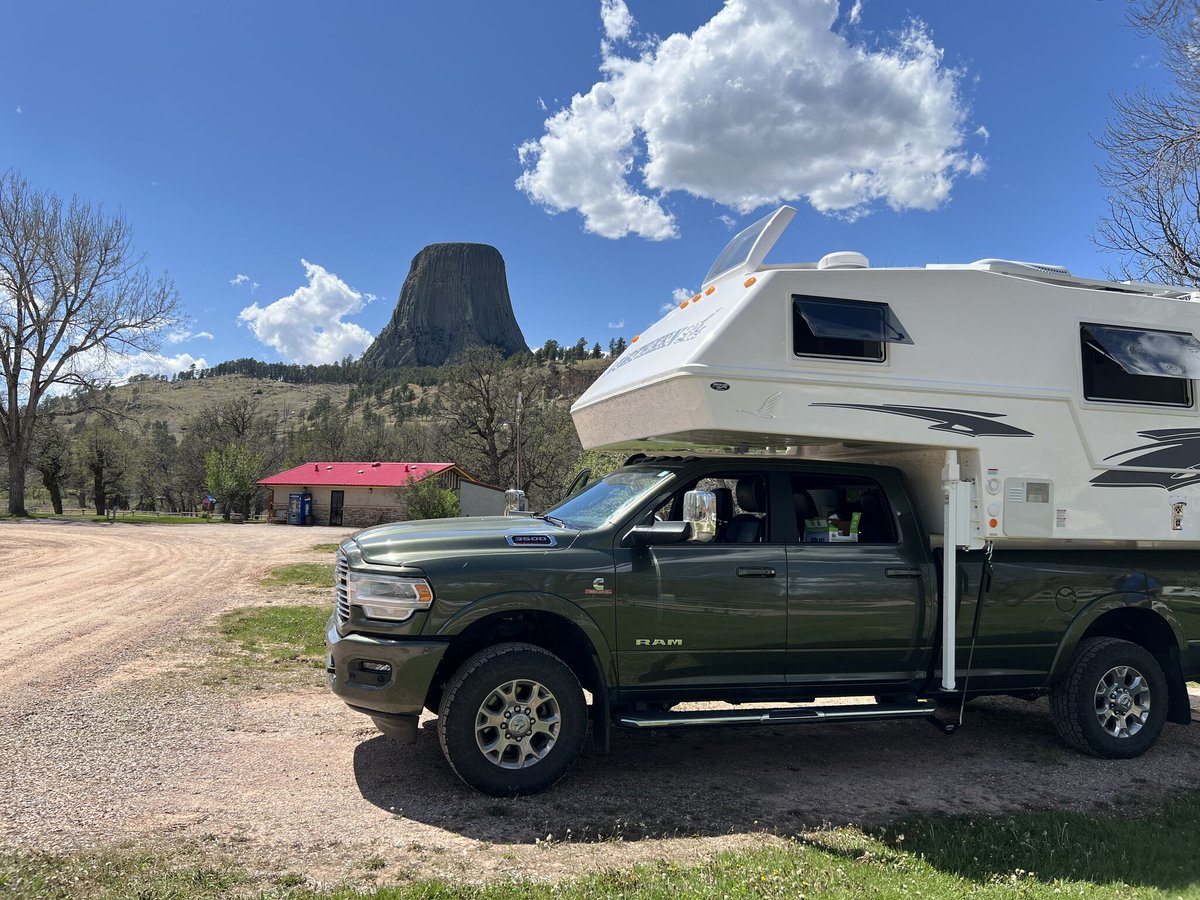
(164, 444)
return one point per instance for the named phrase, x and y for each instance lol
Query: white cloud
(306, 326)
(620, 323)
(763, 103)
(239, 280)
(677, 296)
(178, 337)
(982, 132)
(118, 368)
(19, 110)
(616, 19)
(856, 12)
(541, 104)
(728, 221)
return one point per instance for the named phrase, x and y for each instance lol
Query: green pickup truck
(676, 582)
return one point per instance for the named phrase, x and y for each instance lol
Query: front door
(696, 615)
(337, 499)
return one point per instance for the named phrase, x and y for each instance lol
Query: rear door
(337, 502)
(860, 611)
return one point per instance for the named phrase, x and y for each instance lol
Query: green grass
(1036, 855)
(325, 548)
(274, 636)
(314, 575)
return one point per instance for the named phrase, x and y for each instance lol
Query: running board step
(787, 715)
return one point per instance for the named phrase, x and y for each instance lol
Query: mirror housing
(661, 533)
(514, 502)
(700, 511)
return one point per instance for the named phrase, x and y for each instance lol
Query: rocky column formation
(455, 296)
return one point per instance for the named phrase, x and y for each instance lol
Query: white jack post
(956, 532)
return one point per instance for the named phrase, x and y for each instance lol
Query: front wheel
(1113, 702)
(512, 720)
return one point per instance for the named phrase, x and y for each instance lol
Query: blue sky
(314, 148)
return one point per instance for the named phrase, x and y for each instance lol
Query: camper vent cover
(843, 259)
(1014, 267)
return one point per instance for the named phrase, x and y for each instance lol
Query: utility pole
(520, 398)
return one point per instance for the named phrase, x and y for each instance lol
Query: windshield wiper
(553, 520)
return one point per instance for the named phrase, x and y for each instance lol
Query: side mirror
(514, 502)
(661, 533)
(700, 511)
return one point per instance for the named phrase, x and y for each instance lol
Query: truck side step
(787, 715)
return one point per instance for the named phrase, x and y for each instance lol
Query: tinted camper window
(1127, 365)
(844, 329)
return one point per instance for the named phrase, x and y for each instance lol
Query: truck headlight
(389, 597)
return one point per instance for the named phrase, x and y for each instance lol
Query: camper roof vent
(1016, 267)
(843, 259)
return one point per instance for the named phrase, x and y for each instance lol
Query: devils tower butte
(455, 296)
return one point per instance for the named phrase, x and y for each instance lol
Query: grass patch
(278, 635)
(314, 575)
(325, 548)
(1037, 855)
(110, 875)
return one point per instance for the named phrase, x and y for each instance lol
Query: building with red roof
(364, 493)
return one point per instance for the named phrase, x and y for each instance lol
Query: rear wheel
(1113, 702)
(512, 719)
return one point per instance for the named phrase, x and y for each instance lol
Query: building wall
(478, 500)
(364, 507)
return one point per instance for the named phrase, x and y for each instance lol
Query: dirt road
(116, 725)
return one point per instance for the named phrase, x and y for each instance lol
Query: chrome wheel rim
(1122, 701)
(517, 724)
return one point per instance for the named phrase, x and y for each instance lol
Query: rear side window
(1133, 365)
(844, 329)
(842, 509)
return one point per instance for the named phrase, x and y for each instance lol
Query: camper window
(1133, 365)
(844, 329)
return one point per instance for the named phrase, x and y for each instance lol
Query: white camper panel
(995, 369)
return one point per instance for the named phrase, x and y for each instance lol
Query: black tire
(1113, 701)
(517, 685)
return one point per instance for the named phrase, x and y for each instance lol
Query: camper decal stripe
(1169, 448)
(970, 422)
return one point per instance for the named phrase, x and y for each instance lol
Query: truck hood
(413, 543)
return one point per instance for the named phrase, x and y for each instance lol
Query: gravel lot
(115, 728)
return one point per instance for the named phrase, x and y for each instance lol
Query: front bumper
(384, 678)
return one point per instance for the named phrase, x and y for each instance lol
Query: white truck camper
(1028, 407)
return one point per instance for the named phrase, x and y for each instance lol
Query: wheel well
(1150, 630)
(551, 632)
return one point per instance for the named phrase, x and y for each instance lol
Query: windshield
(610, 498)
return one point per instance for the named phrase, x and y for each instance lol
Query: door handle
(755, 572)
(902, 573)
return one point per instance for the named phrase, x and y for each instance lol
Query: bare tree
(72, 292)
(1153, 166)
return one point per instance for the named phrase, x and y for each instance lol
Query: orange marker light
(709, 291)
(993, 523)
(697, 297)
(635, 337)
(749, 281)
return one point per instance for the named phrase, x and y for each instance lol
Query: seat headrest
(806, 507)
(752, 494)
(724, 497)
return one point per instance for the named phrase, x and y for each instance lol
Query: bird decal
(766, 409)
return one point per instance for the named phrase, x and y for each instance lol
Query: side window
(844, 329)
(1133, 365)
(741, 506)
(842, 509)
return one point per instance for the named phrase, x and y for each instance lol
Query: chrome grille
(341, 589)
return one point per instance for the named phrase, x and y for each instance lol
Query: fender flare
(537, 601)
(1107, 603)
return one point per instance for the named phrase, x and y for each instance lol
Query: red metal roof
(372, 474)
